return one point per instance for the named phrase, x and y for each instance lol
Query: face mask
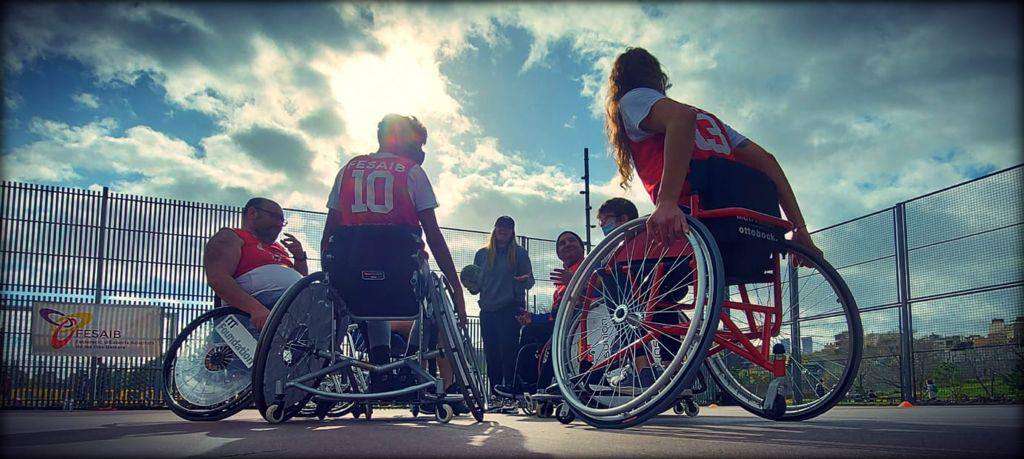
(607, 229)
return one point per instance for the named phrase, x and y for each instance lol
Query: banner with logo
(95, 330)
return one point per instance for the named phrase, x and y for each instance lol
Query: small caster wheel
(692, 409)
(535, 407)
(778, 408)
(565, 414)
(678, 408)
(322, 409)
(415, 410)
(444, 413)
(274, 414)
(546, 410)
(369, 412)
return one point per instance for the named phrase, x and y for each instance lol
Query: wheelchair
(372, 273)
(207, 371)
(767, 318)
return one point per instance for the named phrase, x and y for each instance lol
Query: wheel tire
(187, 413)
(415, 410)
(444, 413)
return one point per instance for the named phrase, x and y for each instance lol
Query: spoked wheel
(204, 378)
(297, 340)
(458, 347)
(354, 381)
(635, 325)
(819, 328)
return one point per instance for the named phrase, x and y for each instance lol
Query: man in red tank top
(247, 268)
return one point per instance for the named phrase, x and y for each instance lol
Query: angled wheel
(458, 347)
(635, 324)
(298, 339)
(205, 379)
(820, 330)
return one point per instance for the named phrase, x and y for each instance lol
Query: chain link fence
(938, 280)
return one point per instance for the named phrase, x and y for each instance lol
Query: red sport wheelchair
(774, 323)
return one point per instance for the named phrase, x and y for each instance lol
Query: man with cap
(505, 275)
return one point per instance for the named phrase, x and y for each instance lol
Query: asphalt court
(951, 431)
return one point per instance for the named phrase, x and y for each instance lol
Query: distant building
(997, 328)
(806, 344)
(1017, 330)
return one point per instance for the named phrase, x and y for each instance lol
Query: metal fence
(938, 280)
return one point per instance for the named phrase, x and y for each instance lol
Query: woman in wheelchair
(376, 271)
(712, 253)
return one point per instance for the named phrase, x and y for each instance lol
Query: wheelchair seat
(377, 270)
(746, 245)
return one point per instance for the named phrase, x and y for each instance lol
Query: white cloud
(86, 99)
(762, 68)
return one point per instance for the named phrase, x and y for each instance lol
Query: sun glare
(403, 80)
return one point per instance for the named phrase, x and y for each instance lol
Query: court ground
(978, 431)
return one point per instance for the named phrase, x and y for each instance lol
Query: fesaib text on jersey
(375, 191)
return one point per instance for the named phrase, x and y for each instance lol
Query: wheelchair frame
(431, 390)
(731, 337)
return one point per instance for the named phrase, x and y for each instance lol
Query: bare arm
(678, 123)
(220, 259)
(751, 154)
(443, 255)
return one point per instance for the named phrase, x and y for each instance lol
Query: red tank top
(648, 155)
(556, 298)
(255, 253)
(375, 191)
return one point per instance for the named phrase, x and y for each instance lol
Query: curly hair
(635, 68)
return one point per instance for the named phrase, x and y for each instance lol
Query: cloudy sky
(864, 105)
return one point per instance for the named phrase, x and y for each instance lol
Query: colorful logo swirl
(64, 325)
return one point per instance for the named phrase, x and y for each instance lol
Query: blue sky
(864, 105)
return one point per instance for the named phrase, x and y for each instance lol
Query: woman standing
(506, 274)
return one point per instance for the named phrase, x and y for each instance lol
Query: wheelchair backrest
(376, 271)
(746, 245)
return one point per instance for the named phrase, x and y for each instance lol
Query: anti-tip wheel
(444, 413)
(565, 414)
(274, 414)
(692, 409)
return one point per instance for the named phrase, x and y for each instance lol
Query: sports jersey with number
(712, 138)
(381, 189)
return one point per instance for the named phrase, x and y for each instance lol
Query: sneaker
(631, 383)
(505, 391)
(460, 406)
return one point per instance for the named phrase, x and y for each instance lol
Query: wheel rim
(206, 374)
(686, 278)
(826, 318)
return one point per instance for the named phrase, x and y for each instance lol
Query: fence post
(906, 316)
(794, 332)
(100, 251)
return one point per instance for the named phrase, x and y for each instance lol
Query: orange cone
(906, 404)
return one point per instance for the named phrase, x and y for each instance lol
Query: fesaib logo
(64, 325)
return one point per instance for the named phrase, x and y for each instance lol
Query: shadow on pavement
(898, 437)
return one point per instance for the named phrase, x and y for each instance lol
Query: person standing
(506, 275)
